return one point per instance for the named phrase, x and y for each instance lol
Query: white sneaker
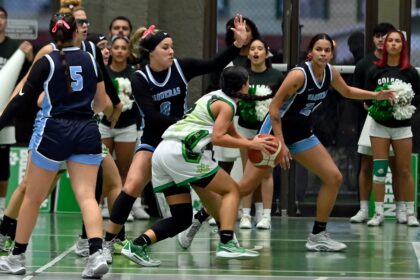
(264, 223)
(322, 242)
(139, 213)
(82, 247)
(401, 216)
(13, 264)
(130, 218)
(108, 250)
(96, 266)
(377, 220)
(360, 217)
(212, 222)
(186, 237)
(412, 221)
(245, 222)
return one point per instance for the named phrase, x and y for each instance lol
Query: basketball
(264, 160)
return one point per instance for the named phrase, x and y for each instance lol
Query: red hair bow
(148, 31)
(60, 21)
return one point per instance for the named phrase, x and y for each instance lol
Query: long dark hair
(233, 78)
(267, 52)
(62, 28)
(320, 36)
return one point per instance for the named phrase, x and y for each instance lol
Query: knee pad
(380, 168)
(122, 208)
(181, 219)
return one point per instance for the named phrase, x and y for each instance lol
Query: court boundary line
(51, 263)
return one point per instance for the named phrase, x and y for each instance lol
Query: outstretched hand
(239, 31)
(386, 95)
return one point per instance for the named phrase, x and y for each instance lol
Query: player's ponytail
(233, 78)
(62, 27)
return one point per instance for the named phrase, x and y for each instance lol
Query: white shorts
(364, 145)
(393, 133)
(227, 154)
(170, 167)
(248, 133)
(125, 134)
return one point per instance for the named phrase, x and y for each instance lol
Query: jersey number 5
(77, 79)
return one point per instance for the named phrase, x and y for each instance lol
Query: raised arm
(356, 93)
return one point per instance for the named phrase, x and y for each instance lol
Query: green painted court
(388, 252)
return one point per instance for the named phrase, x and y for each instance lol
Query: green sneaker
(5, 243)
(233, 250)
(8, 245)
(118, 245)
(138, 254)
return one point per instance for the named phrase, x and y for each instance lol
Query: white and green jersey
(196, 128)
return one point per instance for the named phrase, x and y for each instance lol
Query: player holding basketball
(303, 90)
(184, 157)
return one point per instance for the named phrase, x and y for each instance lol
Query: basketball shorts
(172, 165)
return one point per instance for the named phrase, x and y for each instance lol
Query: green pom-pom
(116, 84)
(381, 110)
(247, 107)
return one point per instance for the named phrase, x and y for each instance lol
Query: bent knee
(334, 179)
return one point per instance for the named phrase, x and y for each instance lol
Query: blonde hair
(68, 6)
(134, 46)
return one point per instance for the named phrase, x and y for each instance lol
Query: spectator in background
(394, 67)
(227, 156)
(364, 145)
(7, 136)
(262, 77)
(120, 25)
(102, 43)
(356, 46)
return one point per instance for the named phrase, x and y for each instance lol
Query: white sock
(267, 213)
(137, 203)
(410, 207)
(379, 208)
(364, 205)
(400, 206)
(246, 211)
(258, 208)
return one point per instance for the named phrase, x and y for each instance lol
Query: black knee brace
(99, 181)
(122, 208)
(181, 219)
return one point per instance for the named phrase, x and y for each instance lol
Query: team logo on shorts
(203, 168)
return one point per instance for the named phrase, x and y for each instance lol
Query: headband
(149, 41)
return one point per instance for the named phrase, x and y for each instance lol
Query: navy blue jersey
(84, 76)
(169, 98)
(296, 112)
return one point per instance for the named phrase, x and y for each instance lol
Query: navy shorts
(56, 140)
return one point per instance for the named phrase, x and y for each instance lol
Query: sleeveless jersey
(196, 128)
(297, 111)
(169, 98)
(86, 46)
(58, 102)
